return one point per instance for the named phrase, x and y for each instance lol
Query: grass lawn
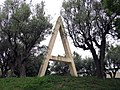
(59, 83)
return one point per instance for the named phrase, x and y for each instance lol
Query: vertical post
(68, 53)
(44, 65)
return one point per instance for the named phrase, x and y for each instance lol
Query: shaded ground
(59, 83)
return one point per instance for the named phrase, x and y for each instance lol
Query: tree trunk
(2, 72)
(110, 74)
(102, 56)
(12, 74)
(22, 70)
(99, 59)
(114, 74)
(99, 71)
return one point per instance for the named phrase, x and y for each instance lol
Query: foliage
(78, 61)
(89, 24)
(22, 28)
(59, 83)
(113, 61)
(33, 65)
(59, 68)
(113, 7)
(84, 66)
(117, 25)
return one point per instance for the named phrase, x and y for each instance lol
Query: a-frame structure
(68, 56)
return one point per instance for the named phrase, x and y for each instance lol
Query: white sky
(52, 7)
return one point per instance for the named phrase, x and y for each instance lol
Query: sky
(52, 8)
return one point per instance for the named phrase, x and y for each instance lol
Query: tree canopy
(22, 28)
(89, 23)
(112, 62)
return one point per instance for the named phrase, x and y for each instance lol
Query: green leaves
(117, 25)
(23, 27)
(114, 54)
(23, 12)
(111, 6)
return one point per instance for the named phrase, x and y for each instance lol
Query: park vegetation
(59, 83)
(89, 23)
(22, 29)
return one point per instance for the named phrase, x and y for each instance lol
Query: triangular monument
(68, 56)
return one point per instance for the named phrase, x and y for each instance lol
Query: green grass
(59, 83)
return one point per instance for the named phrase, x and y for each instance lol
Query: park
(26, 63)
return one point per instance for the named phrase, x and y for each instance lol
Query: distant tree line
(86, 66)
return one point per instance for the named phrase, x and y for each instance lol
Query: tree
(33, 65)
(4, 57)
(113, 7)
(59, 68)
(24, 28)
(78, 61)
(88, 66)
(84, 66)
(112, 63)
(88, 24)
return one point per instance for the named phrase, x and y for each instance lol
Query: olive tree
(24, 28)
(89, 23)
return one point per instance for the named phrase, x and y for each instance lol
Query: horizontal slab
(60, 59)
